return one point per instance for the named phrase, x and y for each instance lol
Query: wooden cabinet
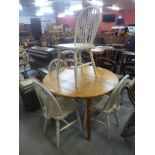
(56, 33)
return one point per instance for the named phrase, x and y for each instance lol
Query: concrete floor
(73, 141)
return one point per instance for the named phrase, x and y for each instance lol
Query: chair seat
(100, 106)
(68, 106)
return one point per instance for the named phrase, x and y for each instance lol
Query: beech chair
(129, 128)
(110, 105)
(53, 65)
(52, 108)
(131, 91)
(86, 28)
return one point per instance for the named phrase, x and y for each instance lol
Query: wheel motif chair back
(53, 65)
(86, 27)
(131, 91)
(116, 95)
(49, 104)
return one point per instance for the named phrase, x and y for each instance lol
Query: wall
(71, 21)
(129, 16)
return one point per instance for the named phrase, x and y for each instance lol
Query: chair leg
(75, 67)
(109, 128)
(85, 119)
(57, 132)
(92, 60)
(79, 119)
(58, 65)
(80, 58)
(115, 113)
(45, 125)
(40, 115)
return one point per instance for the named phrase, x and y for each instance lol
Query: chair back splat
(49, 104)
(131, 91)
(53, 65)
(86, 26)
(116, 95)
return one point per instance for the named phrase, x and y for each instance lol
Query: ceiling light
(119, 16)
(76, 7)
(46, 10)
(69, 12)
(41, 2)
(60, 15)
(98, 3)
(114, 7)
(20, 7)
(39, 13)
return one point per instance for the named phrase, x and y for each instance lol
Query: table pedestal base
(89, 118)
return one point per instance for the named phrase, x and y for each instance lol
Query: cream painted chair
(52, 67)
(110, 105)
(53, 109)
(86, 28)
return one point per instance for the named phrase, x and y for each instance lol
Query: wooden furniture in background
(23, 59)
(36, 28)
(106, 63)
(128, 63)
(101, 51)
(88, 86)
(56, 33)
(112, 39)
(30, 100)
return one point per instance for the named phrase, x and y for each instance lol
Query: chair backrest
(86, 26)
(49, 104)
(106, 63)
(111, 54)
(116, 95)
(53, 65)
(129, 68)
(131, 91)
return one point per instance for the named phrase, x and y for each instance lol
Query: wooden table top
(128, 53)
(72, 46)
(88, 85)
(101, 49)
(39, 48)
(117, 45)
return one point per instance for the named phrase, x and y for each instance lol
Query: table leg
(89, 118)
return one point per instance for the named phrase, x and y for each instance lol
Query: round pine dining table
(89, 86)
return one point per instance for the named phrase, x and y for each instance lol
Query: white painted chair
(52, 67)
(110, 105)
(55, 64)
(86, 28)
(53, 109)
